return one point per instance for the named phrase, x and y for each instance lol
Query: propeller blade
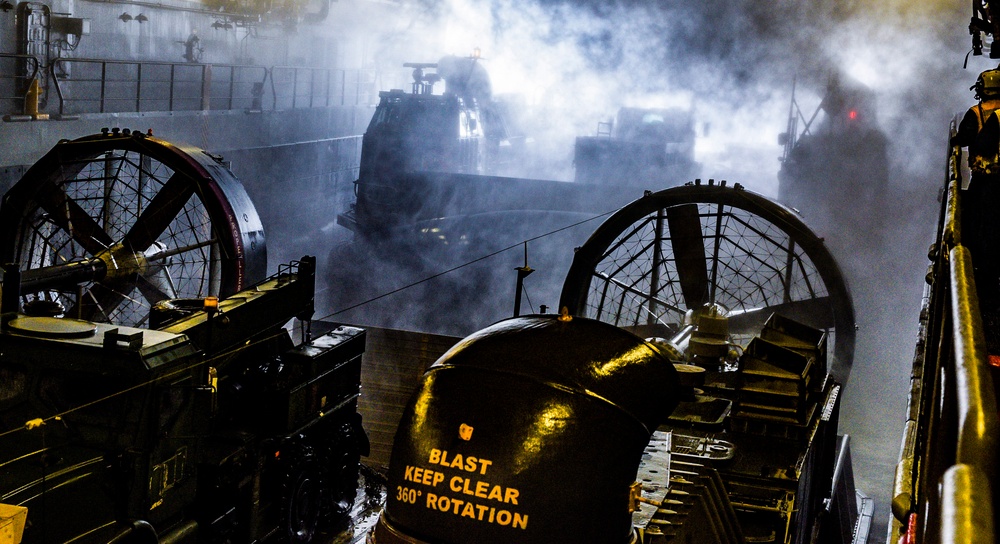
(689, 253)
(71, 218)
(155, 289)
(814, 312)
(98, 303)
(165, 206)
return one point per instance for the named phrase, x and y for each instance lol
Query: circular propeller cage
(682, 248)
(108, 225)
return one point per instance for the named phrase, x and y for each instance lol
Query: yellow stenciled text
(476, 512)
(483, 490)
(423, 475)
(462, 494)
(468, 463)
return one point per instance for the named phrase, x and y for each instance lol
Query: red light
(852, 115)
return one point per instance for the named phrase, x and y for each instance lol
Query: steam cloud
(732, 63)
(575, 63)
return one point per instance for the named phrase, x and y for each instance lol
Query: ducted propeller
(676, 250)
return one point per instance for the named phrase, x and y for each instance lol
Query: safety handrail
(977, 408)
(309, 87)
(126, 86)
(20, 80)
(949, 449)
(90, 85)
(967, 508)
(976, 417)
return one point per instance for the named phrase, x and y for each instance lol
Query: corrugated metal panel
(393, 362)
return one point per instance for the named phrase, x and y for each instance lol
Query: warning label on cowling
(460, 485)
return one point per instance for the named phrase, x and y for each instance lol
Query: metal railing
(84, 86)
(298, 87)
(102, 86)
(17, 73)
(946, 471)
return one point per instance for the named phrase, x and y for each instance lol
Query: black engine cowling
(530, 430)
